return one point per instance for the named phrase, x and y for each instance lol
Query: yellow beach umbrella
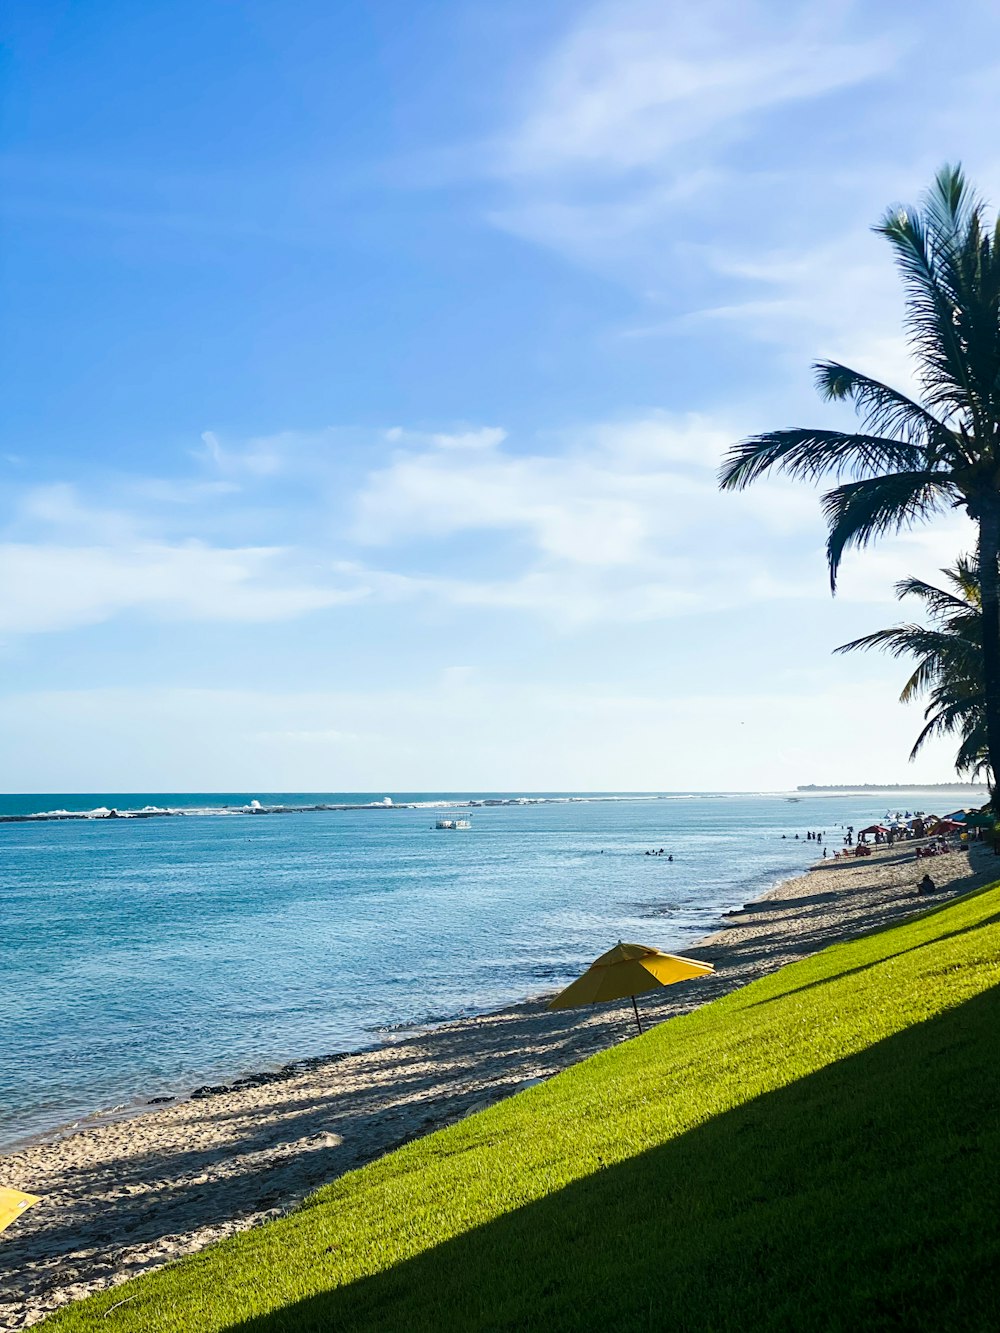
(12, 1204)
(628, 970)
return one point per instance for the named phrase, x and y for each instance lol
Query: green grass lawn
(818, 1150)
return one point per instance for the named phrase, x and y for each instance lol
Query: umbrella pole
(636, 1008)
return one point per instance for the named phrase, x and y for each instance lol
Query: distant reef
(893, 786)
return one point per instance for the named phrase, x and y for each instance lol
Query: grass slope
(818, 1150)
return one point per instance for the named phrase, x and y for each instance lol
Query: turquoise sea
(143, 956)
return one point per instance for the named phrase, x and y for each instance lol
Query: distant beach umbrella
(944, 826)
(12, 1204)
(626, 971)
(981, 819)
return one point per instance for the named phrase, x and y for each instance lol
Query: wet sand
(128, 1196)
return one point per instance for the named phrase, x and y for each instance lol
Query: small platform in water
(453, 823)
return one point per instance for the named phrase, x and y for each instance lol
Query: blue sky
(366, 368)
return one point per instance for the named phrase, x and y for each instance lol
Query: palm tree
(913, 459)
(949, 670)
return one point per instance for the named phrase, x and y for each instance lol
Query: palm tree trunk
(989, 583)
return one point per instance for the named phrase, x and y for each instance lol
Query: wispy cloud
(842, 300)
(621, 522)
(634, 82)
(72, 563)
(718, 160)
(46, 587)
(613, 522)
(599, 502)
(261, 457)
(634, 118)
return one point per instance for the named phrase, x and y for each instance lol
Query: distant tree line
(885, 786)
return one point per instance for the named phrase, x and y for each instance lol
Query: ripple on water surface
(139, 957)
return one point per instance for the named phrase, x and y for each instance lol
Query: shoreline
(239, 1078)
(125, 1195)
(235, 1078)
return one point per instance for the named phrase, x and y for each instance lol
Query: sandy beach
(124, 1197)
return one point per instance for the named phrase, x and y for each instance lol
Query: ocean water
(142, 956)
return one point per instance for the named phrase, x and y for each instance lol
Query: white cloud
(599, 503)
(58, 508)
(565, 598)
(265, 456)
(625, 525)
(68, 563)
(616, 522)
(682, 150)
(46, 587)
(842, 300)
(635, 81)
(485, 438)
(637, 116)
(179, 492)
(658, 440)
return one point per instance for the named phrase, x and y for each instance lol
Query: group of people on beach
(936, 848)
(882, 837)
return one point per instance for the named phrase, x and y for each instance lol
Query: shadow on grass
(876, 962)
(863, 1195)
(269, 1157)
(876, 917)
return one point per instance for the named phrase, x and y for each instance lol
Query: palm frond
(943, 721)
(931, 303)
(948, 653)
(952, 672)
(951, 204)
(860, 511)
(938, 601)
(902, 641)
(964, 578)
(950, 267)
(969, 265)
(920, 681)
(972, 756)
(886, 411)
(816, 453)
(940, 655)
(914, 455)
